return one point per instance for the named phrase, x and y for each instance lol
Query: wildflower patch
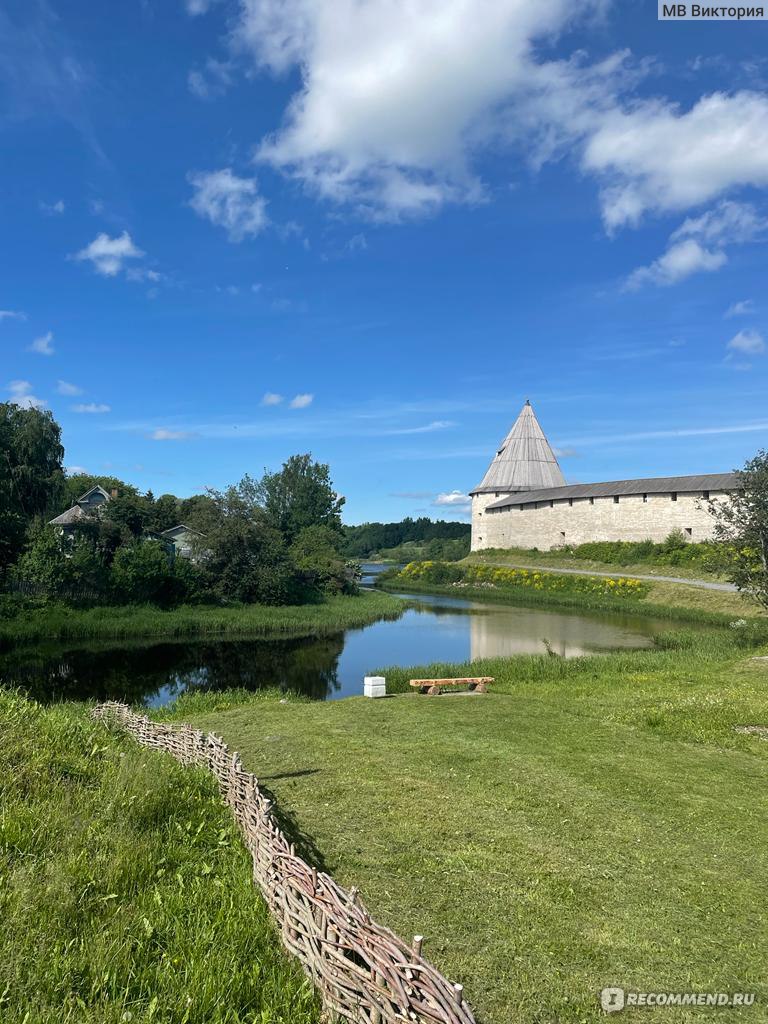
(500, 578)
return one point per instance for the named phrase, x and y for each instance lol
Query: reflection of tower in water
(523, 631)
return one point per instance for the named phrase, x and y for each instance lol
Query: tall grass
(58, 622)
(126, 892)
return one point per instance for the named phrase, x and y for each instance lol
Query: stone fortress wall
(551, 524)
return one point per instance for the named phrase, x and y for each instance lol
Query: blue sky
(234, 230)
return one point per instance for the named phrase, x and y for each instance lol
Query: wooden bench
(435, 686)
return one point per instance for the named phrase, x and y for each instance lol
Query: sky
(234, 230)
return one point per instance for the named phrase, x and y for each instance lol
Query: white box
(375, 686)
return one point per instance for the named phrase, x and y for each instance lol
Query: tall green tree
(298, 496)
(31, 474)
(741, 525)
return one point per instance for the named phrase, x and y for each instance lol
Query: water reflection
(435, 629)
(154, 674)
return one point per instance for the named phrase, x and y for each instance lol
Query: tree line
(275, 540)
(370, 539)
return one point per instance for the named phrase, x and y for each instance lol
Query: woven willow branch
(364, 972)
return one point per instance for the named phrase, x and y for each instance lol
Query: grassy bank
(598, 558)
(660, 600)
(590, 822)
(126, 892)
(57, 622)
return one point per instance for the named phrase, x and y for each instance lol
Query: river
(438, 628)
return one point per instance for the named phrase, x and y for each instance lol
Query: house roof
(72, 515)
(91, 490)
(181, 526)
(524, 461)
(616, 488)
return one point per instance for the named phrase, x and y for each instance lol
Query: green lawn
(590, 822)
(58, 622)
(125, 891)
(561, 560)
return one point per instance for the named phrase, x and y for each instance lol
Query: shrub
(144, 573)
(497, 577)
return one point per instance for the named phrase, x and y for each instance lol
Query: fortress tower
(524, 462)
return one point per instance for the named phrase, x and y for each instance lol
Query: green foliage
(315, 553)
(31, 474)
(76, 485)
(145, 573)
(74, 571)
(383, 539)
(298, 496)
(127, 893)
(501, 578)
(21, 622)
(676, 549)
(741, 524)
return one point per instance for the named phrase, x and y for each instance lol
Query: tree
(300, 495)
(143, 572)
(72, 574)
(741, 525)
(315, 552)
(31, 474)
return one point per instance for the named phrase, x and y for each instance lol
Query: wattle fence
(363, 971)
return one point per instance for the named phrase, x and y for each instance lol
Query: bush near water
(497, 577)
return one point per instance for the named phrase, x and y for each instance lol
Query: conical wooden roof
(524, 461)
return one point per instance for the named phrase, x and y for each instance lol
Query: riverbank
(58, 622)
(501, 827)
(559, 559)
(660, 600)
(127, 893)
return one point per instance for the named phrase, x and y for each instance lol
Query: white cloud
(427, 428)
(43, 345)
(63, 387)
(230, 202)
(395, 94)
(197, 7)
(75, 470)
(212, 81)
(398, 96)
(747, 342)
(53, 209)
(21, 394)
(699, 244)
(453, 499)
(271, 398)
(301, 401)
(679, 261)
(93, 408)
(163, 434)
(108, 255)
(653, 156)
(12, 314)
(744, 308)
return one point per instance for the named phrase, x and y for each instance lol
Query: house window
(689, 531)
(570, 502)
(645, 497)
(521, 507)
(551, 504)
(497, 494)
(562, 534)
(591, 501)
(615, 499)
(705, 495)
(674, 495)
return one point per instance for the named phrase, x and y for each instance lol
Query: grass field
(659, 600)
(57, 622)
(562, 560)
(591, 822)
(125, 892)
